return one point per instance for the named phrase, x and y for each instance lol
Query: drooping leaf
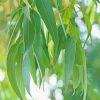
(44, 44)
(85, 76)
(70, 50)
(33, 68)
(13, 31)
(62, 42)
(28, 31)
(26, 71)
(76, 77)
(40, 55)
(62, 37)
(11, 66)
(88, 25)
(47, 15)
(78, 56)
(18, 70)
(80, 60)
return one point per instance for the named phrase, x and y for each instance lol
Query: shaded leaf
(70, 50)
(33, 68)
(62, 42)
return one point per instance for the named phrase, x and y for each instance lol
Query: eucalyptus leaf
(26, 71)
(70, 51)
(33, 68)
(76, 77)
(47, 15)
(18, 70)
(62, 42)
(28, 31)
(11, 69)
(40, 55)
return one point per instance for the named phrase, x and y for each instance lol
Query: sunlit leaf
(76, 77)
(47, 15)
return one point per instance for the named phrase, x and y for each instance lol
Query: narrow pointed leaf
(85, 76)
(26, 71)
(32, 65)
(13, 31)
(47, 15)
(28, 32)
(69, 58)
(44, 45)
(62, 42)
(76, 77)
(88, 25)
(42, 58)
(18, 70)
(11, 64)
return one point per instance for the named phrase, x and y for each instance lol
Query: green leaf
(62, 37)
(88, 25)
(28, 31)
(47, 15)
(76, 77)
(60, 6)
(33, 68)
(26, 12)
(40, 55)
(13, 31)
(44, 44)
(53, 3)
(62, 42)
(69, 58)
(26, 71)
(18, 70)
(78, 56)
(80, 61)
(11, 69)
(85, 76)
